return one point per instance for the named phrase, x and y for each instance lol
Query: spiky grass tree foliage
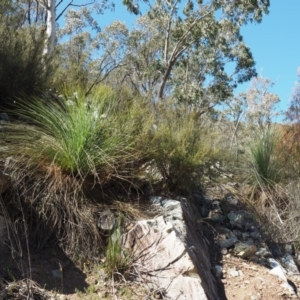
(58, 149)
(265, 168)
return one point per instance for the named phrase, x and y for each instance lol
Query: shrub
(179, 146)
(22, 68)
(265, 167)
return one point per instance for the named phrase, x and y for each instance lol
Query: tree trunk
(50, 28)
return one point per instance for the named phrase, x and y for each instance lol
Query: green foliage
(179, 146)
(62, 147)
(22, 69)
(83, 136)
(265, 167)
(117, 260)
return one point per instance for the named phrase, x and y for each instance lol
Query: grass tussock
(265, 166)
(117, 260)
(81, 136)
(57, 146)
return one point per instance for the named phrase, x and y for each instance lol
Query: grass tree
(63, 149)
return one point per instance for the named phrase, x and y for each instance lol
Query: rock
(274, 263)
(235, 273)
(275, 249)
(240, 219)
(288, 249)
(216, 216)
(244, 250)
(171, 253)
(289, 288)
(263, 252)
(228, 242)
(255, 235)
(204, 204)
(279, 272)
(106, 220)
(289, 264)
(218, 271)
(245, 236)
(230, 199)
(256, 297)
(5, 182)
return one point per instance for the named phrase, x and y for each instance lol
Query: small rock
(227, 242)
(240, 219)
(235, 273)
(263, 252)
(289, 264)
(288, 249)
(256, 297)
(4, 118)
(245, 236)
(218, 271)
(216, 216)
(106, 220)
(232, 200)
(244, 250)
(274, 263)
(224, 251)
(255, 235)
(279, 272)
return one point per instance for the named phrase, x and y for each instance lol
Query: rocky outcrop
(171, 253)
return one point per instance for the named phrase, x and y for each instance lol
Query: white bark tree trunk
(50, 27)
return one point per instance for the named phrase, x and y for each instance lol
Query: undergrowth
(70, 154)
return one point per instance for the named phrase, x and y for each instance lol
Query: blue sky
(275, 44)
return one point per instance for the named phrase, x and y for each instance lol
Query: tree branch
(167, 40)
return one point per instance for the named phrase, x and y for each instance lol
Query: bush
(22, 68)
(179, 146)
(265, 167)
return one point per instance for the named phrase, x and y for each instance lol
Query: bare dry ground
(254, 282)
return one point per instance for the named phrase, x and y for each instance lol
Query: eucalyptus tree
(46, 13)
(251, 112)
(87, 57)
(192, 48)
(261, 103)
